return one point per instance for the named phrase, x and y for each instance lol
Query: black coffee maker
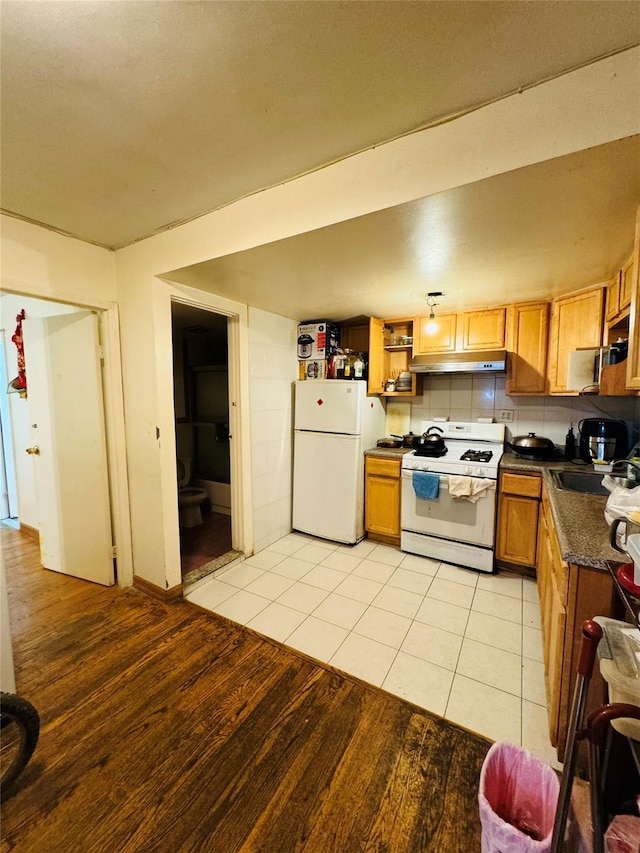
(602, 439)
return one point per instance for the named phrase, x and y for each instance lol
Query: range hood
(485, 361)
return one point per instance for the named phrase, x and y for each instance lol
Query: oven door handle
(444, 478)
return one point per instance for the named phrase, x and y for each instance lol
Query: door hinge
(114, 552)
(101, 353)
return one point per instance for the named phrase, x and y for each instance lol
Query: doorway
(201, 400)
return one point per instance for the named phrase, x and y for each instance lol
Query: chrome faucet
(629, 463)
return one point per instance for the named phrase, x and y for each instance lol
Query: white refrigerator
(335, 422)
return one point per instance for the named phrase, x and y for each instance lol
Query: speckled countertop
(388, 452)
(583, 533)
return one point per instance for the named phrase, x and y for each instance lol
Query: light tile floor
(459, 643)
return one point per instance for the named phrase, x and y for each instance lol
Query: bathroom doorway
(201, 399)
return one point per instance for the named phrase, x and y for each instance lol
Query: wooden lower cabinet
(569, 594)
(518, 505)
(382, 499)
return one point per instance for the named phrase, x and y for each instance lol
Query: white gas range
(455, 521)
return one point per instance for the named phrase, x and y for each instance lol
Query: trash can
(517, 801)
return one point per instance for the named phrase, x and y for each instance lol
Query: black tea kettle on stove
(430, 443)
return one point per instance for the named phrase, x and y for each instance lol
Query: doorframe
(242, 534)
(114, 424)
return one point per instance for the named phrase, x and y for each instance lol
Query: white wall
(464, 398)
(10, 306)
(37, 262)
(273, 367)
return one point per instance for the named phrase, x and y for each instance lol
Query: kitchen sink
(587, 482)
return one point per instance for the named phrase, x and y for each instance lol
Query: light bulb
(432, 326)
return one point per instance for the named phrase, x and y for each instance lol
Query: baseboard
(30, 531)
(525, 571)
(383, 538)
(165, 595)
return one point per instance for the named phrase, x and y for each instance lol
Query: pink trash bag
(517, 799)
(623, 835)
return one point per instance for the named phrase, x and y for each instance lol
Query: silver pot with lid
(532, 446)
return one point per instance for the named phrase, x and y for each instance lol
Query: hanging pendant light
(432, 324)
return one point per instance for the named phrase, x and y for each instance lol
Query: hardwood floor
(164, 728)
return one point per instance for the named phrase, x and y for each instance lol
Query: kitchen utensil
(625, 574)
(632, 547)
(532, 446)
(570, 444)
(403, 382)
(410, 440)
(618, 351)
(305, 344)
(389, 442)
(602, 439)
(618, 538)
(431, 443)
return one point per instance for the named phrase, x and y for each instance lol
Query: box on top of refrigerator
(317, 341)
(313, 368)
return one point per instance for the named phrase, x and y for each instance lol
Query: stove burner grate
(476, 456)
(425, 452)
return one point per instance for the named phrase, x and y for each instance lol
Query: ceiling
(120, 120)
(536, 232)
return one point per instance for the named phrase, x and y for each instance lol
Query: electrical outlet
(505, 416)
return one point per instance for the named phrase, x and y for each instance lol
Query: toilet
(189, 497)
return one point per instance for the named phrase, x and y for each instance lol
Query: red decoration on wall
(20, 382)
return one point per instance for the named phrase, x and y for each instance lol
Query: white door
(331, 405)
(64, 387)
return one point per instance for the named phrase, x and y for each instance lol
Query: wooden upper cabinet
(376, 367)
(626, 284)
(527, 343)
(483, 329)
(633, 359)
(613, 298)
(469, 330)
(576, 321)
(441, 339)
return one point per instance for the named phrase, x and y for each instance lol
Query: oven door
(448, 517)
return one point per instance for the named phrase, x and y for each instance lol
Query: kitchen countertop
(583, 533)
(388, 452)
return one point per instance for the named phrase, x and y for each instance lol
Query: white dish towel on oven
(470, 488)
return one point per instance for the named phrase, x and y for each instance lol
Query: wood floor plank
(165, 728)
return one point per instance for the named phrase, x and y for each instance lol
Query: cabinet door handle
(33, 451)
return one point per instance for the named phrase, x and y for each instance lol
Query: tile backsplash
(468, 397)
